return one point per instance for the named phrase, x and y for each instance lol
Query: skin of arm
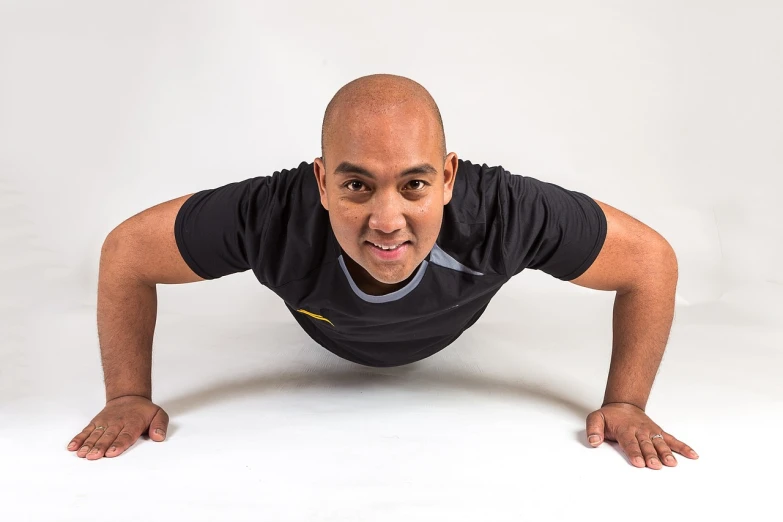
(127, 310)
(136, 256)
(641, 266)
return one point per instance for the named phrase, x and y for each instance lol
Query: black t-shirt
(496, 225)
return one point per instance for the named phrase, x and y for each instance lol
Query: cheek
(431, 204)
(430, 213)
(346, 219)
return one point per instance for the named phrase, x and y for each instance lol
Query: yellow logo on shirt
(315, 316)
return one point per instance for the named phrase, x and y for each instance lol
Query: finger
(159, 425)
(664, 452)
(77, 441)
(124, 440)
(91, 439)
(648, 450)
(631, 448)
(595, 428)
(103, 443)
(680, 447)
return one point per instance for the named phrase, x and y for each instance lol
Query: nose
(387, 213)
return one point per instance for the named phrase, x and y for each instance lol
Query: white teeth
(387, 248)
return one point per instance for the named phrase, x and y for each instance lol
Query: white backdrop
(669, 110)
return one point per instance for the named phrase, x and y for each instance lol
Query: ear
(320, 176)
(449, 174)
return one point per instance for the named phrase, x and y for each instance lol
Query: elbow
(119, 253)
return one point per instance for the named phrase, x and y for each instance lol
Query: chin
(388, 274)
(392, 277)
(386, 277)
(392, 280)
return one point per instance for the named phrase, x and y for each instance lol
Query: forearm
(642, 320)
(127, 310)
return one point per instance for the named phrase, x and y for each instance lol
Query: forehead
(403, 134)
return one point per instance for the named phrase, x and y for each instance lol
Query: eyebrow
(347, 168)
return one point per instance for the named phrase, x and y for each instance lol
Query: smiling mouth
(388, 248)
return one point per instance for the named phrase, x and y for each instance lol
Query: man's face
(383, 206)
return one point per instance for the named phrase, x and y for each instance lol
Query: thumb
(595, 428)
(159, 425)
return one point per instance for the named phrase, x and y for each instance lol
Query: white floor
(266, 425)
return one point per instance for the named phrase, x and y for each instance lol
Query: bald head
(377, 94)
(384, 177)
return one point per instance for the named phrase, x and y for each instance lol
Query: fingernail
(670, 459)
(594, 438)
(655, 461)
(160, 431)
(84, 448)
(694, 454)
(113, 448)
(71, 445)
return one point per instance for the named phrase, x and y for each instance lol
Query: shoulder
(476, 189)
(472, 221)
(296, 238)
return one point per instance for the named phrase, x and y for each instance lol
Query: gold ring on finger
(656, 436)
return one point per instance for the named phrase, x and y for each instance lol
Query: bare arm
(138, 254)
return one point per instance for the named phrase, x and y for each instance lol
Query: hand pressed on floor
(121, 422)
(630, 426)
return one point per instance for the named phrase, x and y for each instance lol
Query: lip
(389, 255)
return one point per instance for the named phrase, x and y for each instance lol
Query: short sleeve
(220, 231)
(549, 228)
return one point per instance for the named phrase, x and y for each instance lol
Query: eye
(422, 184)
(353, 183)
